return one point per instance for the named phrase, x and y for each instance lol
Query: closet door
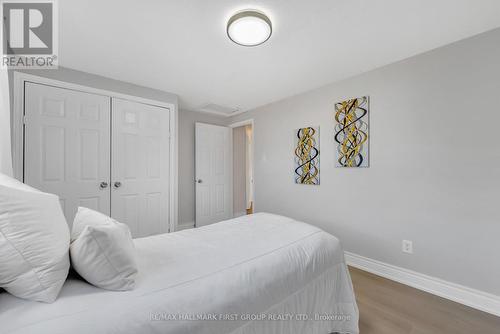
(140, 167)
(67, 146)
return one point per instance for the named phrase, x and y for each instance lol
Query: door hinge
(25, 119)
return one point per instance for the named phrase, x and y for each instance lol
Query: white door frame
(18, 129)
(243, 123)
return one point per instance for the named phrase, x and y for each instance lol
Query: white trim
(174, 170)
(231, 172)
(18, 126)
(18, 129)
(477, 299)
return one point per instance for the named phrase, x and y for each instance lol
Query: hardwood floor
(387, 307)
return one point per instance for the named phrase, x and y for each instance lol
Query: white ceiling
(181, 46)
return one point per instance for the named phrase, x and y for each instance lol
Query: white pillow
(85, 217)
(34, 242)
(102, 251)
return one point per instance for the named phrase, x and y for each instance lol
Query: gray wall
(435, 163)
(187, 119)
(239, 170)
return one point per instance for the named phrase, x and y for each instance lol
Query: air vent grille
(218, 109)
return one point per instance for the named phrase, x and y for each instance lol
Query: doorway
(243, 168)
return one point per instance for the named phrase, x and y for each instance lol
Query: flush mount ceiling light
(249, 28)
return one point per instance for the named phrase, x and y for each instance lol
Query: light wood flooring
(387, 307)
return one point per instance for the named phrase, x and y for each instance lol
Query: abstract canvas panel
(307, 156)
(352, 132)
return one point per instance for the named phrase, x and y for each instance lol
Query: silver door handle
(199, 181)
(103, 185)
(118, 184)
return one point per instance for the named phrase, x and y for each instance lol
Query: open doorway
(243, 183)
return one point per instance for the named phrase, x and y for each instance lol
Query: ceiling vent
(218, 109)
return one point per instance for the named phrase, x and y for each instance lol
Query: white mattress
(251, 274)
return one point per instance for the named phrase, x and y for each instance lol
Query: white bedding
(254, 271)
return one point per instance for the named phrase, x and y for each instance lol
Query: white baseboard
(479, 300)
(184, 226)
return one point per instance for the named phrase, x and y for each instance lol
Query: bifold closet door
(67, 146)
(140, 167)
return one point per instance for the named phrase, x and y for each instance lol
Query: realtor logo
(29, 36)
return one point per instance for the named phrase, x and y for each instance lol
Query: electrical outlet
(407, 246)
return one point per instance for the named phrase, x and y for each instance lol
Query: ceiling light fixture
(249, 28)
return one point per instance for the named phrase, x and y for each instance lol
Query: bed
(258, 274)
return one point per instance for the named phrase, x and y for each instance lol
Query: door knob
(118, 184)
(103, 185)
(199, 181)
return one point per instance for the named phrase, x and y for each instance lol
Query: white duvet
(262, 274)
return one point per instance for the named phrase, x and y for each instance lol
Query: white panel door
(214, 174)
(140, 167)
(67, 144)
